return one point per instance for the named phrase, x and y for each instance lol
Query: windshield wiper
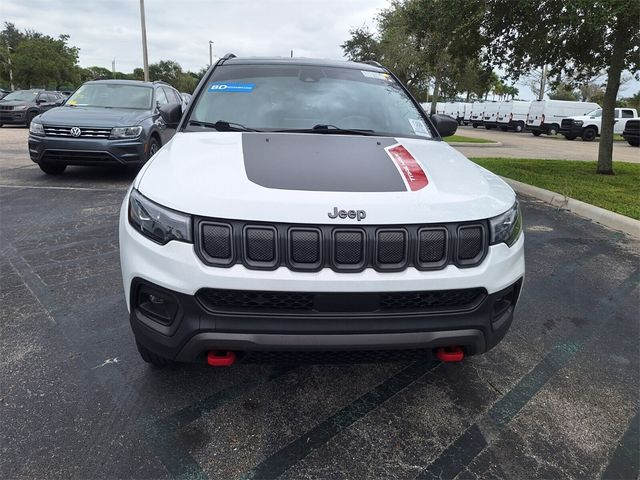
(324, 128)
(223, 126)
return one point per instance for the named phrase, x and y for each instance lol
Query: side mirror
(39, 101)
(171, 114)
(445, 124)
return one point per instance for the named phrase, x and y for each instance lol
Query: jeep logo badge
(353, 214)
(75, 132)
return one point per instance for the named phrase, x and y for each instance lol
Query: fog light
(504, 300)
(159, 306)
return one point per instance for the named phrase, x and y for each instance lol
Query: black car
(631, 132)
(22, 106)
(104, 122)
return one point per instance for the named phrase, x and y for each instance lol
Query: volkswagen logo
(75, 132)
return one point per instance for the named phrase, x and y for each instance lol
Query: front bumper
(18, 117)
(175, 270)
(571, 131)
(87, 151)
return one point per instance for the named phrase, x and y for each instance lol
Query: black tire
(634, 143)
(149, 357)
(553, 130)
(536, 133)
(1, 124)
(154, 146)
(589, 134)
(519, 127)
(570, 137)
(475, 125)
(30, 117)
(52, 168)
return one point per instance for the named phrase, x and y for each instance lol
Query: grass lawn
(463, 139)
(616, 138)
(619, 193)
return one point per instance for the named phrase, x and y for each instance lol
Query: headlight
(156, 222)
(125, 132)
(20, 107)
(36, 128)
(506, 227)
(578, 123)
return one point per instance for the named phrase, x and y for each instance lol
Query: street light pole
(145, 59)
(10, 67)
(210, 53)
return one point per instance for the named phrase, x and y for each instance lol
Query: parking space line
(279, 462)
(625, 462)
(41, 187)
(176, 459)
(468, 446)
(462, 451)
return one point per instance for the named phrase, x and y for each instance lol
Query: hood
(14, 103)
(308, 178)
(93, 117)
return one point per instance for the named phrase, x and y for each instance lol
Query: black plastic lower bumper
(86, 152)
(179, 327)
(572, 131)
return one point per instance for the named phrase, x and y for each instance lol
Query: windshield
(596, 113)
(112, 95)
(22, 96)
(299, 97)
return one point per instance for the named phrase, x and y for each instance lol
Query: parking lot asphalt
(525, 145)
(558, 398)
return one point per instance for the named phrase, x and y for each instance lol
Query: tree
(448, 35)
(578, 38)
(563, 92)
(394, 46)
(42, 61)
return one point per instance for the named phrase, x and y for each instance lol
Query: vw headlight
(125, 132)
(36, 128)
(156, 222)
(578, 123)
(20, 107)
(506, 227)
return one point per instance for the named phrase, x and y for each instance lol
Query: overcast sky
(180, 30)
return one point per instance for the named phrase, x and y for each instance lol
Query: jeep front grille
(261, 246)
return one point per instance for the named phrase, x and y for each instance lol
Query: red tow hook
(450, 354)
(221, 359)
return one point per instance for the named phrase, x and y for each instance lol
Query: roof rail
(161, 82)
(374, 63)
(228, 56)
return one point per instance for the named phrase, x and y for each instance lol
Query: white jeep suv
(312, 205)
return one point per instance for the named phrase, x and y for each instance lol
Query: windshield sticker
(231, 87)
(378, 75)
(419, 128)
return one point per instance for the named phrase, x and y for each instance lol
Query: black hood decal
(321, 162)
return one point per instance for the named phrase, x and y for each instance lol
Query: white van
(466, 119)
(490, 115)
(512, 115)
(451, 109)
(440, 107)
(545, 116)
(477, 110)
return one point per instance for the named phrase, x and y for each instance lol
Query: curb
(609, 219)
(472, 144)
